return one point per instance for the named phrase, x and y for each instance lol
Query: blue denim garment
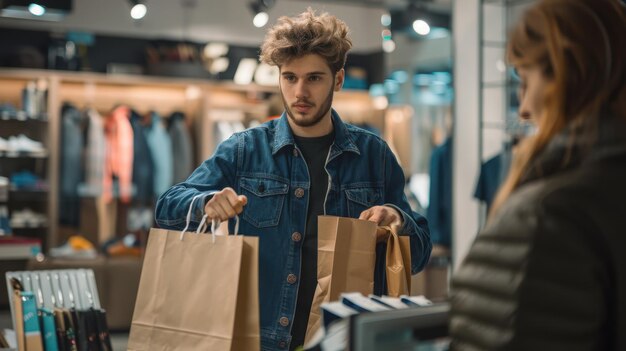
(264, 164)
(439, 211)
(72, 144)
(143, 164)
(182, 151)
(160, 145)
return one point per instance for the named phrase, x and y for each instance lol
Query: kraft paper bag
(197, 292)
(346, 258)
(19, 320)
(398, 264)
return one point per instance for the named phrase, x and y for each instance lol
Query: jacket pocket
(361, 199)
(265, 200)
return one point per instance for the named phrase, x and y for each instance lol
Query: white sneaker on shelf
(28, 218)
(23, 144)
(4, 189)
(4, 145)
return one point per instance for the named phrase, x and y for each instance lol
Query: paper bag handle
(188, 220)
(203, 222)
(215, 223)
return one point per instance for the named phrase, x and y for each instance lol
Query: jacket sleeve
(213, 175)
(533, 280)
(414, 224)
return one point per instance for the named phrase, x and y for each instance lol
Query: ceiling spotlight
(260, 19)
(138, 11)
(36, 9)
(389, 46)
(385, 20)
(421, 27)
(259, 10)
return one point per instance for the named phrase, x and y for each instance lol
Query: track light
(260, 19)
(421, 27)
(36, 9)
(259, 10)
(138, 10)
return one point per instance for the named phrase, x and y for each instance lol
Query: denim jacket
(264, 164)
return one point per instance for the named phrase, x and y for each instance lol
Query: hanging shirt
(119, 156)
(95, 154)
(182, 150)
(143, 165)
(161, 149)
(489, 181)
(439, 213)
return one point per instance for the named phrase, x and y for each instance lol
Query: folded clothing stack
(76, 247)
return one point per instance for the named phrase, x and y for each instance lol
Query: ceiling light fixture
(259, 10)
(260, 19)
(421, 27)
(36, 9)
(40, 10)
(138, 10)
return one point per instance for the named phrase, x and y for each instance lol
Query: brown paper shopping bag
(197, 293)
(398, 264)
(346, 256)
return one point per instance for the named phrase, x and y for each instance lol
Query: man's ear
(339, 78)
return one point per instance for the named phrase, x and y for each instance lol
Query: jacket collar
(283, 136)
(578, 145)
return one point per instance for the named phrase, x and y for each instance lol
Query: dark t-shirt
(315, 152)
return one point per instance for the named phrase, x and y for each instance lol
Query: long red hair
(581, 47)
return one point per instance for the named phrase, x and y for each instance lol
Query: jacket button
(282, 344)
(299, 193)
(291, 278)
(296, 237)
(261, 188)
(295, 152)
(284, 321)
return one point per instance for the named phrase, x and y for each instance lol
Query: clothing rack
(64, 288)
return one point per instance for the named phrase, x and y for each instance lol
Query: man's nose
(301, 89)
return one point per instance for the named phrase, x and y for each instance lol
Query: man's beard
(321, 112)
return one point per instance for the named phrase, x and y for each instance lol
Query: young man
(281, 175)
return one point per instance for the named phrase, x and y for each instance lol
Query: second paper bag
(346, 256)
(398, 263)
(199, 293)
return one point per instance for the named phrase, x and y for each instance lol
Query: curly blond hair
(290, 38)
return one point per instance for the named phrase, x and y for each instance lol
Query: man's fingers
(221, 215)
(376, 217)
(382, 215)
(243, 199)
(227, 209)
(381, 235)
(365, 215)
(237, 202)
(387, 220)
(211, 214)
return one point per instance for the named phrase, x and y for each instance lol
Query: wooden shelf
(196, 98)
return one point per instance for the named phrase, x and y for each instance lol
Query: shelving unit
(198, 99)
(40, 164)
(498, 85)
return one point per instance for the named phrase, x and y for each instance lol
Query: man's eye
(314, 78)
(290, 78)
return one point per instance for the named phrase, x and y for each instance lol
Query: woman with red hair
(548, 272)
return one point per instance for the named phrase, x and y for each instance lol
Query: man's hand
(224, 205)
(383, 216)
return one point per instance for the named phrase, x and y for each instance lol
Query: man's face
(306, 87)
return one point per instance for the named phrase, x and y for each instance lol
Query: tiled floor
(118, 340)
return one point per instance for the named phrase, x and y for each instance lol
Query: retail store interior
(428, 76)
